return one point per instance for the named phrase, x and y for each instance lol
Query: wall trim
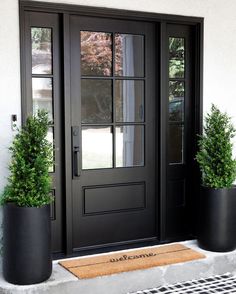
(108, 12)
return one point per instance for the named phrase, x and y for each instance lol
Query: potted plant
(217, 210)
(26, 205)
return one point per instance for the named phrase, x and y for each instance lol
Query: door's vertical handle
(76, 161)
(76, 151)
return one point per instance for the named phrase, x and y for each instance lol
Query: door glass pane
(42, 95)
(176, 57)
(175, 143)
(176, 101)
(129, 146)
(96, 101)
(129, 55)
(50, 138)
(129, 100)
(97, 147)
(96, 53)
(53, 205)
(41, 40)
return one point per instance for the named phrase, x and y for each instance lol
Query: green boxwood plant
(217, 165)
(29, 182)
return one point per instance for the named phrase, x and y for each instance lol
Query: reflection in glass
(41, 40)
(176, 143)
(129, 146)
(129, 100)
(176, 101)
(176, 57)
(96, 147)
(129, 55)
(96, 53)
(96, 101)
(53, 205)
(42, 95)
(50, 138)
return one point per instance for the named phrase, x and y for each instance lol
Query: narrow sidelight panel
(177, 78)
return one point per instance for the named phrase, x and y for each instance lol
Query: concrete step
(63, 282)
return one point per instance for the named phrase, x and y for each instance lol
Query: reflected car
(176, 109)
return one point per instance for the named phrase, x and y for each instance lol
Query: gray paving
(221, 284)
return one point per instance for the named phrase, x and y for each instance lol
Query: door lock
(76, 151)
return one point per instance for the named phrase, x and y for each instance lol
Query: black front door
(123, 97)
(113, 131)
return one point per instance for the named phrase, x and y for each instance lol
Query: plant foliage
(29, 183)
(215, 158)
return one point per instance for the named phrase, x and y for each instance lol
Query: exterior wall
(219, 54)
(10, 102)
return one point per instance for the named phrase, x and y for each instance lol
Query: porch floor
(63, 282)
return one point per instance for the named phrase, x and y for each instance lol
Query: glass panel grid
(42, 95)
(108, 100)
(50, 138)
(41, 42)
(53, 205)
(176, 143)
(96, 53)
(129, 55)
(176, 57)
(129, 145)
(176, 99)
(129, 100)
(96, 100)
(42, 85)
(97, 145)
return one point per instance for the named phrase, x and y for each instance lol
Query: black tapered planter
(26, 244)
(217, 219)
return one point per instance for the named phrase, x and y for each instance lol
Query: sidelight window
(176, 99)
(42, 75)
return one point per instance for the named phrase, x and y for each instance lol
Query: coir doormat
(90, 267)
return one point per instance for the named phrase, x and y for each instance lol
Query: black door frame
(64, 10)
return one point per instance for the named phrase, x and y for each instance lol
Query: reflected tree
(96, 53)
(176, 57)
(96, 60)
(41, 38)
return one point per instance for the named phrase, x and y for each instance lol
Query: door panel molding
(133, 198)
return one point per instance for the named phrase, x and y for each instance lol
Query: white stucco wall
(9, 78)
(219, 54)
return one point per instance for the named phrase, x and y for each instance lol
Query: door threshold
(107, 248)
(110, 247)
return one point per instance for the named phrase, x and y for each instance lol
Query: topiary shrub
(29, 183)
(217, 165)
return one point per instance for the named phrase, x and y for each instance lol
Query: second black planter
(26, 244)
(217, 219)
